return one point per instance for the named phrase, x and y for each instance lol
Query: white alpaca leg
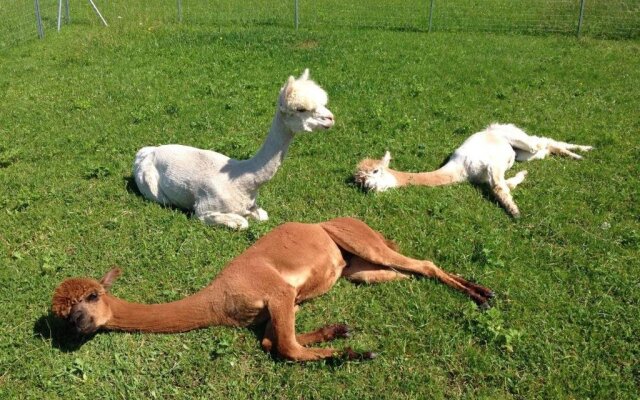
(530, 148)
(570, 146)
(564, 149)
(233, 221)
(501, 190)
(519, 139)
(522, 155)
(516, 180)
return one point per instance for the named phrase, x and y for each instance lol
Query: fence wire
(602, 18)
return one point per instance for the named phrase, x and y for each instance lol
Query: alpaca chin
(380, 184)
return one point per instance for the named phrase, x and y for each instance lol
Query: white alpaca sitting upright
(483, 158)
(221, 190)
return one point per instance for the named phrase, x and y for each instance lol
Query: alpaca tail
(448, 174)
(146, 175)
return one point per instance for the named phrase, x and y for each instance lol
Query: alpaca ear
(386, 159)
(110, 277)
(305, 75)
(288, 87)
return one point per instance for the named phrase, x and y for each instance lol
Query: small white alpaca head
(302, 104)
(375, 174)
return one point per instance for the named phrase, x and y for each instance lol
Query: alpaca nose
(76, 318)
(329, 120)
(330, 117)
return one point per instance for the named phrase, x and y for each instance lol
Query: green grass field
(76, 107)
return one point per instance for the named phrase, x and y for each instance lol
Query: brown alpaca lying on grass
(292, 263)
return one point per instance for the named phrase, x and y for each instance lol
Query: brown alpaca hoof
(484, 306)
(340, 331)
(350, 355)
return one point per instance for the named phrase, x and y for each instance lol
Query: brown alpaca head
(81, 302)
(374, 175)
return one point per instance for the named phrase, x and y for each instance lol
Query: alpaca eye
(301, 109)
(92, 297)
(375, 171)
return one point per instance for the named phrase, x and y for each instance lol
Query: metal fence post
(580, 18)
(179, 10)
(430, 15)
(295, 13)
(59, 14)
(39, 20)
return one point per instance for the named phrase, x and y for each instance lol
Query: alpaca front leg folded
(233, 221)
(258, 213)
(512, 183)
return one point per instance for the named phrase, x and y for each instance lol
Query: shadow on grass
(350, 181)
(63, 337)
(132, 187)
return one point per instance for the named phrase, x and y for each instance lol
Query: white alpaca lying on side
(483, 158)
(221, 190)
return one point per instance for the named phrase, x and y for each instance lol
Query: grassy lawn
(76, 107)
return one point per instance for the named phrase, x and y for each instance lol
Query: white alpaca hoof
(261, 215)
(238, 225)
(233, 221)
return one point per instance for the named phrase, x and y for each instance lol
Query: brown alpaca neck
(438, 177)
(196, 311)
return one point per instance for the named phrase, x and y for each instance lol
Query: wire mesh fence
(600, 18)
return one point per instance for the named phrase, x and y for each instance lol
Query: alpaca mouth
(327, 123)
(362, 181)
(81, 324)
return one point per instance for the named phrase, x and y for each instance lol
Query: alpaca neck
(196, 311)
(443, 176)
(264, 165)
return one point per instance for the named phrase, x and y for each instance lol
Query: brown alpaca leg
(481, 290)
(324, 334)
(389, 258)
(281, 309)
(362, 271)
(384, 256)
(359, 239)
